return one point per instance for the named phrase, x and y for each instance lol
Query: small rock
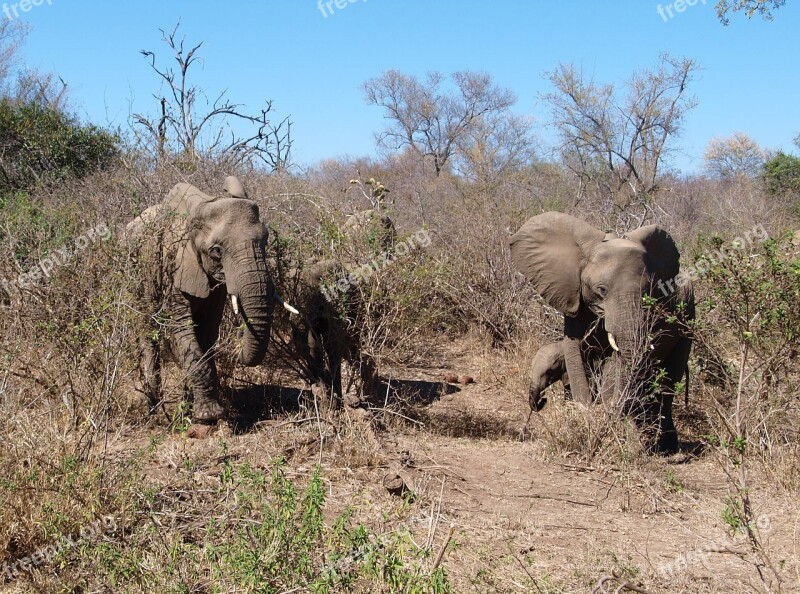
(395, 484)
(198, 431)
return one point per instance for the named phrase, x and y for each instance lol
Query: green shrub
(38, 143)
(782, 174)
(269, 537)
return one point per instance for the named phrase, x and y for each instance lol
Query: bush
(749, 316)
(782, 175)
(38, 143)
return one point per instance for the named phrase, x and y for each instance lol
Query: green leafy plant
(40, 142)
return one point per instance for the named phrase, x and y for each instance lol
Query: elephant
(627, 315)
(202, 249)
(371, 227)
(324, 335)
(549, 365)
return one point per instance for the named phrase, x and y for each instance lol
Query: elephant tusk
(289, 308)
(612, 342)
(235, 304)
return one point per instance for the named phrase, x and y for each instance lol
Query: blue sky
(312, 65)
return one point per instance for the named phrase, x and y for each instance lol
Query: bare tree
(750, 8)
(618, 143)
(26, 85)
(430, 119)
(12, 33)
(181, 129)
(734, 156)
(494, 146)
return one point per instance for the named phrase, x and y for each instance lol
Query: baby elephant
(548, 367)
(324, 334)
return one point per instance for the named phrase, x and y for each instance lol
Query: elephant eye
(602, 290)
(215, 252)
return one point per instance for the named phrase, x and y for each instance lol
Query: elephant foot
(203, 431)
(198, 431)
(207, 410)
(668, 443)
(353, 400)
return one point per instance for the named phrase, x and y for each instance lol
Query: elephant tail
(686, 387)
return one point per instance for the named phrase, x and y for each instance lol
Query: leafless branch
(184, 132)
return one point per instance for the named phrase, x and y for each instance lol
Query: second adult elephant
(324, 334)
(607, 287)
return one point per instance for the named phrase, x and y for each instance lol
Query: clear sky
(312, 65)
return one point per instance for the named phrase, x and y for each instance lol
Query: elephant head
(587, 274)
(219, 245)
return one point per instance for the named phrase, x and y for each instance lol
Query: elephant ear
(186, 203)
(550, 250)
(663, 258)
(189, 276)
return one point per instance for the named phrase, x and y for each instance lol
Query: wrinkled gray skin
(323, 338)
(549, 365)
(598, 281)
(323, 334)
(205, 249)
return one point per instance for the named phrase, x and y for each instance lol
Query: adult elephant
(327, 292)
(625, 307)
(325, 334)
(199, 249)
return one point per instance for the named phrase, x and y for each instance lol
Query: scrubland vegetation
(290, 499)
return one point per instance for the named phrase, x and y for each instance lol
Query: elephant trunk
(628, 336)
(251, 291)
(624, 325)
(576, 369)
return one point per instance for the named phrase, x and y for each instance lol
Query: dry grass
(78, 446)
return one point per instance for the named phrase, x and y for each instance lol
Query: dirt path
(523, 518)
(524, 522)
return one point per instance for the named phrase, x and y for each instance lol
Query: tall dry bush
(66, 347)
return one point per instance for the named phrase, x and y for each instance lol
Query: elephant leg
(202, 381)
(316, 353)
(334, 373)
(675, 367)
(150, 371)
(368, 372)
(548, 367)
(667, 434)
(360, 361)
